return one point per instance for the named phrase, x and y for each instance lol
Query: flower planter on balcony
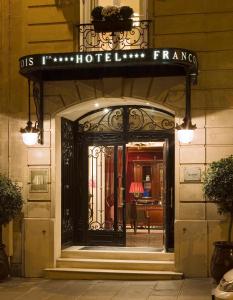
(112, 25)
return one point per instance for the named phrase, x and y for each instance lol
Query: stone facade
(40, 26)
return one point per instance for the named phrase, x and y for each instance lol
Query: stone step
(116, 264)
(103, 274)
(72, 252)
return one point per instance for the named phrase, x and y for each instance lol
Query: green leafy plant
(218, 187)
(11, 201)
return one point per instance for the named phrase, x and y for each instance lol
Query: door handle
(171, 196)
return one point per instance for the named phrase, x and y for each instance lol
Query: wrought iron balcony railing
(137, 38)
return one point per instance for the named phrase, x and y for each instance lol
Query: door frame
(82, 139)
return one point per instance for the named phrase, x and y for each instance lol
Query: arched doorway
(101, 161)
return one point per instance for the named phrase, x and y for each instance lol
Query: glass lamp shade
(185, 136)
(30, 134)
(30, 138)
(136, 188)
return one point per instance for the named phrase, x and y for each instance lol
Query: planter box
(112, 25)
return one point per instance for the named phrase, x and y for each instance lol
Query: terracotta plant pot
(112, 25)
(4, 264)
(222, 259)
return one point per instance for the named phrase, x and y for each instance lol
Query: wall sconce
(185, 130)
(30, 133)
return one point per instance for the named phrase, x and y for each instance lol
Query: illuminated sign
(172, 56)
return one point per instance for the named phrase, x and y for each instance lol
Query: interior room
(144, 195)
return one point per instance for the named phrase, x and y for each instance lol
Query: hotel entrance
(117, 186)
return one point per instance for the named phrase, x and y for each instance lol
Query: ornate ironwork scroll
(67, 143)
(100, 187)
(67, 160)
(139, 119)
(38, 100)
(143, 119)
(105, 120)
(137, 38)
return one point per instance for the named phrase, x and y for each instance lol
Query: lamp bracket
(38, 100)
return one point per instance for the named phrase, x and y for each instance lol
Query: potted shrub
(112, 18)
(11, 203)
(218, 187)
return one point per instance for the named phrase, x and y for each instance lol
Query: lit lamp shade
(30, 138)
(30, 134)
(136, 188)
(185, 135)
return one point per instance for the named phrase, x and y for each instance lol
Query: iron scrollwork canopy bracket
(39, 104)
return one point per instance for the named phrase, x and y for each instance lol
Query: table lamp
(136, 188)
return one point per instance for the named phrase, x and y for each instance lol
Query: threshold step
(116, 264)
(73, 252)
(95, 274)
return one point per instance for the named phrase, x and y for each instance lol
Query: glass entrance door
(106, 195)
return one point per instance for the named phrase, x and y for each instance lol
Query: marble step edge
(107, 274)
(169, 262)
(117, 255)
(115, 264)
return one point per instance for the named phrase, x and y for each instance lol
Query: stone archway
(165, 91)
(71, 99)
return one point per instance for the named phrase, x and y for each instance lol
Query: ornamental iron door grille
(101, 137)
(105, 201)
(67, 189)
(137, 118)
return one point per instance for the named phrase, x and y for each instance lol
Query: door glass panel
(100, 187)
(105, 202)
(120, 189)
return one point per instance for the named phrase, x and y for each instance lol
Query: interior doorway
(104, 154)
(145, 194)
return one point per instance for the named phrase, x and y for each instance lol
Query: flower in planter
(97, 13)
(111, 12)
(100, 13)
(126, 12)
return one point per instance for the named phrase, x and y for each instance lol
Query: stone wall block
(198, 99)
(39, 156)
(38, 235)
(191, 248)
(45, 14)
(38, 209)
(48, 47)
(219, 98)
(165, 8)
(219, 136)
(113, 87)
(179, 23)
(215, 60)
(219, 118)
(220, 79)
(196, 41)
(191, 211)
(86, 89)
(214, 153)
(192, 154)
(191, 192)
(141, 87)
(53, 104)
(48, 33)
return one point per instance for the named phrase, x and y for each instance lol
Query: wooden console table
(146, 215)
